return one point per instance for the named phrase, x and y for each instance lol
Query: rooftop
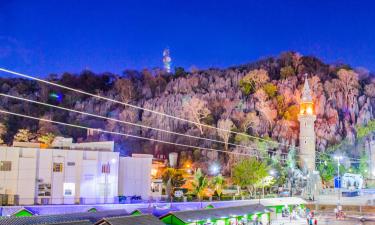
(131, 220)
(225, 212)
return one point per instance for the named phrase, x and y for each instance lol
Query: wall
(135, 176)
(21, 179)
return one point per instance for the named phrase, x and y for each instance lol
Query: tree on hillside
(46, 138)
(370, 90)
(349, 85)
(225, 125)
(3, 131)
(45, 127)
(125, 89)
(196, 110)
(248, 172)
(251, 120)
(253, 80)
(23, 135)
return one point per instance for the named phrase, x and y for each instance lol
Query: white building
(57, 176)
(18, 168)
(135, 175)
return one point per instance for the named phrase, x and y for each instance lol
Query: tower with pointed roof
(306, 120)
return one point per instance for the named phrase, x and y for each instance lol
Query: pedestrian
(311, 221)
(336, 211)
(315, 221)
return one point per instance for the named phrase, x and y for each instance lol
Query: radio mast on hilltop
(167, 60)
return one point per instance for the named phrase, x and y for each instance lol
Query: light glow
(309, 110)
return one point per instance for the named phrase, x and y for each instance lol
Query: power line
(140, 108)
(125, 122)
(127, 135)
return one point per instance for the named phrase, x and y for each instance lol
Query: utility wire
(140, 108)
(125, 122)
(128, 135)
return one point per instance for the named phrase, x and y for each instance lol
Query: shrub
(270, 90)
(286, 72)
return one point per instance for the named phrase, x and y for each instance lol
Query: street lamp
(338, 158)
(215, 169)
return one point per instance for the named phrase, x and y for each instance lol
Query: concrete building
(59, 176)
(135, 175)
(307, 118)
(18, 168)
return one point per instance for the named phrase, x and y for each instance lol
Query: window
(5, 165)
(69, 189)
(106, 168)
(57, 167)
(71, 163)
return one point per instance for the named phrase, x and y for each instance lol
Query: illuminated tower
(167, 60)
(306, 120)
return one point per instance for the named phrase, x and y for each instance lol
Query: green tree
(364, 130)
(286, 72)
(253, 80)
(291, 160)
(326, 168)
(199, 184)
(180, 72)
(291, 113)
(248, 172)
(363, 166)
(218, 183)
(270, 89)
(247, 86)
(172, 179)
(46, 138)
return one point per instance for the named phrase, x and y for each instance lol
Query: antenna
(167, 60)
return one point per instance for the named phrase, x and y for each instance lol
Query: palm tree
(172, 178)
(199, 184)
(218, 184)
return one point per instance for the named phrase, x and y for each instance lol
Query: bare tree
(224, 125)
(196, 110)
(125, 89)
(258, 77)
(349, 85)
(370, 90)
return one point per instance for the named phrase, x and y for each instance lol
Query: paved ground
(324, 219)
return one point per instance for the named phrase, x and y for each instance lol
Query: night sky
(42, 37)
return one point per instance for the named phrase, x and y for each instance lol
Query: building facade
(59, 176)
(307, 138)
(135, 175)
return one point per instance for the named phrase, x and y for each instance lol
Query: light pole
(338, 158)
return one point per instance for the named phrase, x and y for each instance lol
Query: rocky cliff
(260, 99)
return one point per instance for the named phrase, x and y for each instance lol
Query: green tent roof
(217, 213)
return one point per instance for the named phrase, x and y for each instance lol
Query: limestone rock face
(267, 109)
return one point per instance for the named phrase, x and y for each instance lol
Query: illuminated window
(5, 165)
(57, 167)
(69, 189)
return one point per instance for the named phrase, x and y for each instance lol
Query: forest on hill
(260, 99)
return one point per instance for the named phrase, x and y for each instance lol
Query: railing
(14, 200)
